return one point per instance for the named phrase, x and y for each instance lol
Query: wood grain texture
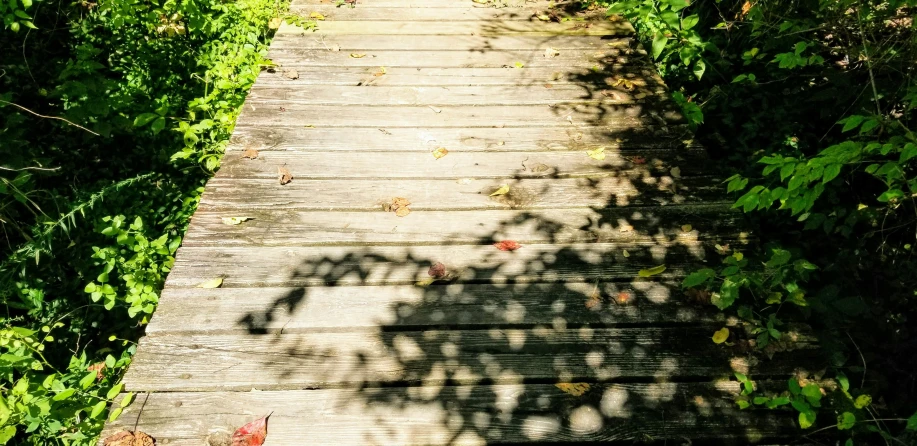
(278, 227)
(461, 95)
(266, 266)
(469, 43)
(461, 194)
(482, 28)
(273, 113)
(459, 164)
(369, 308)
(462, 415)
(453, 13)
(533, 58)
(181, 363)
(631, 141)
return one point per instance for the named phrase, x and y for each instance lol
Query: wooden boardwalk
(326, 316)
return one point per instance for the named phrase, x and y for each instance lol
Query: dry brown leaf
(291, 74)
(437, 271)
(250, 154)
(398, 205)
(595, 298)
(623, 298)
(285, 175)
(252, 434)
(508, 245)
(539, 168)
(440, 152)
(97, 367)
(402, 212)
(128, 438)
(575, 389)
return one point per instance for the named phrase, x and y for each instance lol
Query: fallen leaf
(252, 434)
(518, 64)
(651, 271)
(686, 228)
(357, 55)
(212, 283)
(235, 220)
(250, 154)
(440, 152)
(539, 168)
(596, 154)
(283, 109)
(291, 74)
(676, 172)
(623, 298)
(435, 110)
(625, 253)
(128, 438)
(274, 23)
(628, 85)
(336, 48)
(317, 16)
(285, 175)
(548, 86)
(543, 17)
(575, 389)
(437, 271)
(480, 2)
(595, 298)
(502, 190)
(380, 72)
(507, 245)
(721, 335)
(425, 282)
(551, 52)
(638, 160)
(722, 249)
(310, 126)
(399, 206)
(745, 8)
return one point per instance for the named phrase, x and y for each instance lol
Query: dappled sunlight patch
(540, 427)
(585, 420)
(614, 402)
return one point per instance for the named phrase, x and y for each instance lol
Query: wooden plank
(367, 308)
(270, 113)
(467, 43)
(462, 415)
(455, 12)
(280, 227)
(531, 57)
(461, 95)
(631, 141)
(268, 266)
(448, 28)
(187, 363)
(459, 164)
(451, 77)
(422, 3)
(461, 194)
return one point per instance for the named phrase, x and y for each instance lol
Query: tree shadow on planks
(558, 342)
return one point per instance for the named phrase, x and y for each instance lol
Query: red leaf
(507, 245)
(252, 434)
(437, 271)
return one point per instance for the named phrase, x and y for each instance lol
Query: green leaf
(689, 21)
(846, 421)
(145, 119)
(779, 257)
(843, 381)
(812, 392)
(721, 335)
(912, 422)
(869, 125)
(114, 391)
(88, 380)
(831, 172)
(7, 434)
(66, 393)
(651, 271)
(793, 385)
(659, 42)
(743, 404)
(698, 277)
(26, 4)
(806, 419)
(862, 401)
(851, 122)
(699, 68)
(115, 413)
(678, 5)
(158, 125)
(127, 400)
(4, 411)
(98, 408)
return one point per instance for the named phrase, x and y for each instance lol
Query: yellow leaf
(503, 190)
(440, 152)
(625, 253)
(425, 282)
(861, 206)
(721, 335)
(235, 220)
(651, 271)
(317, 16)
(676, 172)
(738, 256)
(597, 154)
(357, 55)
(686, 228)
(519, 64)
(543, 17)
(212, 283)
(575, 389)
(275, 23)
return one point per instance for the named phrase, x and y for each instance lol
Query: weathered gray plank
(631, 141)
(448, 43)
(460, 194)
(448, 28)
(268, 266)
(183, 363)
(455, 12)
(460, 164)
(461, 95)
(273, 114)
(367, 308)
(532, 57)
(279, 227)
(462, 415)
(448, 77)
(417, 3)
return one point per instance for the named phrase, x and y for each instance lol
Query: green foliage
(811, 105)
(137, 101)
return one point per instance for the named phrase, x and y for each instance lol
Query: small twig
(49, 117)
(863, 381)
(29, 168)
(872, 78)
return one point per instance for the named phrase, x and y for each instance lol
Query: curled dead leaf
(291, 74)
(398, 205)
(425, 282)
(250, 154)
(252, 434)
(128, 438)
(440, 152)
(357, 55)
(575, 389)
(502, 190)
(507, 245)
(650, 272)
(437, 271)
(212, 283)
(623, 298)
(285, 175)
(628, 85)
